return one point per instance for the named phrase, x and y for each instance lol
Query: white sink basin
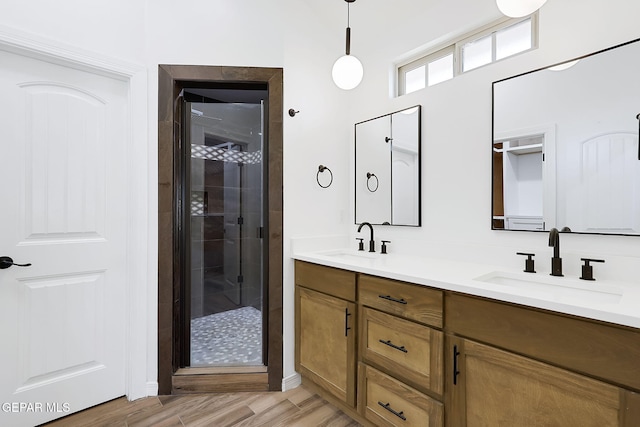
(554, 288)
(346, 254)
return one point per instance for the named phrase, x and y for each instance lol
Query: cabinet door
(491, 387)
(325, 342)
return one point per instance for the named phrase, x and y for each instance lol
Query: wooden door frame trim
(170, 81)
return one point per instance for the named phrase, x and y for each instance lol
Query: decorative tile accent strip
(197, 203)
(225, 155)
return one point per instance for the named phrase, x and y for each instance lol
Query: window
(476, 53)
(427, 71)
(482, 47)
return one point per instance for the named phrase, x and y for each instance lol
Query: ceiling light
(563, 66)
(347, 71)
(519, 8)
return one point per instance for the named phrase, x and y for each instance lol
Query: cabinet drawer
(411, 301)
(329, 280)
(403, 349)
(386, 401)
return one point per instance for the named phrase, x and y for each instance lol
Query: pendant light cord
(348, 37)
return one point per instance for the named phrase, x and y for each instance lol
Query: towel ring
(369, 176)
(321, 169)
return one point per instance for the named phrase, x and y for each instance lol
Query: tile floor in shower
(230, 338)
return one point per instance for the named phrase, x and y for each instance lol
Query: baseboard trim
(152, 388)
(291, 382)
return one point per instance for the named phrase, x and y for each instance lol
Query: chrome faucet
(554, 241)
(372, 243)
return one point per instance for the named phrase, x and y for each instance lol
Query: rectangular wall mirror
(387, 169)
(565, 146)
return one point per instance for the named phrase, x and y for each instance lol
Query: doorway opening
(220, 260)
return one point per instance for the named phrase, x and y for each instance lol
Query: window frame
(455, 46)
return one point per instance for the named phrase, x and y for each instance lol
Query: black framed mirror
(388, 169)
(565, 149)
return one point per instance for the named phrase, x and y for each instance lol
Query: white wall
(456, 158)
(113, 28)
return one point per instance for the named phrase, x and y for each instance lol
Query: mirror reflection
(387, 181)
(565, 146)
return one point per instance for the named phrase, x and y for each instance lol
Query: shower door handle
(6, 262)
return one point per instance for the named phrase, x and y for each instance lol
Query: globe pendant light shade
(347, 72)
(519, 8)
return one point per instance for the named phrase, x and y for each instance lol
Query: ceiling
(398, 26)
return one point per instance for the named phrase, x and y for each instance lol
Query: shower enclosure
(223, 220)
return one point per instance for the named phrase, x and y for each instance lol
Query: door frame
(137, 153)
(171, 80)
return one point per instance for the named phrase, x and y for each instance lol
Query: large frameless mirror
(387, 169)
(565, 146)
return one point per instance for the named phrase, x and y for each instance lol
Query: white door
(63, 209)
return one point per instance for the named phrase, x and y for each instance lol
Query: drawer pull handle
(390, 409)
(390, 298)
(392, 345)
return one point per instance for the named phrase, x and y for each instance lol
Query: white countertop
(608, 301)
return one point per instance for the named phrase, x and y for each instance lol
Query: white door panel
(63, 209)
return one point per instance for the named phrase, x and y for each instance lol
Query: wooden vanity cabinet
(418, 356)
(325, 311)
(550, 369)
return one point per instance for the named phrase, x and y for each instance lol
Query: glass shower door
(226, 247)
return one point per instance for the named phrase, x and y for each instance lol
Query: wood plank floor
(297, 407)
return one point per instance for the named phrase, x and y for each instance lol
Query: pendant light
(347, 71)
(519, 8)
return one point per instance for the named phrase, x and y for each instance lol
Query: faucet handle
(587, 270)
(529, 263)
(360, 244)
(383, 249)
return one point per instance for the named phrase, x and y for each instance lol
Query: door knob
(6, 262)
